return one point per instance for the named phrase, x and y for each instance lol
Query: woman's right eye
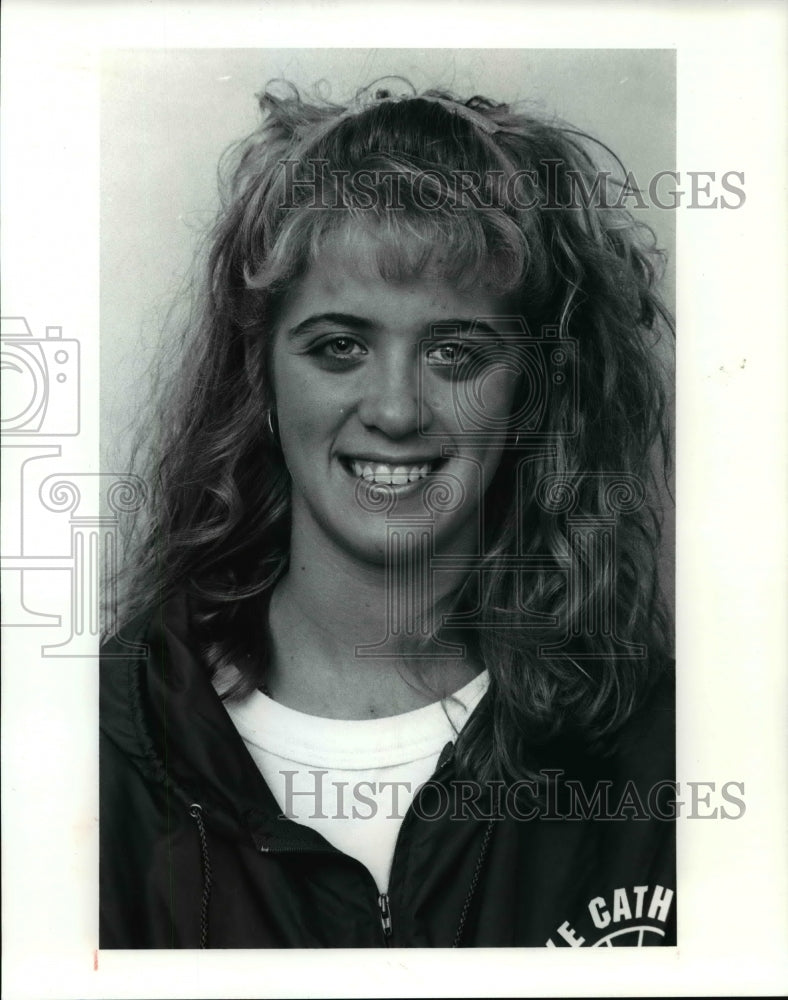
(339, 351)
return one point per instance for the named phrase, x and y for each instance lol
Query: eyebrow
(307, 325)
(362, 325)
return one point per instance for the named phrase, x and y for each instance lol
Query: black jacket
(193, 852)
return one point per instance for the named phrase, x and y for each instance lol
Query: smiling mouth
(390, 474)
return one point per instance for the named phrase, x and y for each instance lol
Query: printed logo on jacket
(626, 917)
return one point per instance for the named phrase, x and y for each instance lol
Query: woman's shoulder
(646, 744)
(170, 615)
(132, 657)
(656, 715)
(641, 750)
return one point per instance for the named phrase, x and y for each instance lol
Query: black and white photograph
(393, 665)
(380, 513)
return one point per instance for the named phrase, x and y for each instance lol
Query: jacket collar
(163, 713)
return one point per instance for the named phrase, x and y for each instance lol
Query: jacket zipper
(383, 899)
(385, 915)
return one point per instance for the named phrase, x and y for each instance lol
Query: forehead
(353, 271)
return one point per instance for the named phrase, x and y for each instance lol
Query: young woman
(395, 670)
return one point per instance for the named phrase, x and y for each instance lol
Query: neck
(335, 628)
(352, 603)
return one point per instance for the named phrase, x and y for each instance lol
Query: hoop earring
(269, 417)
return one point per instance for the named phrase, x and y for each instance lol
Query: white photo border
(731, 536)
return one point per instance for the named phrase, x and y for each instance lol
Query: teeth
(397, 475)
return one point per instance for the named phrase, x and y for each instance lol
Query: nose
(390, 401)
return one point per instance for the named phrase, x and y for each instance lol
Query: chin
(367, 546)
(371, 546)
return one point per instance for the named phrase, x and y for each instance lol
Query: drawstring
(466, 906)
(195, 811)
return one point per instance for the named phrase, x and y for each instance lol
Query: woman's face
(373, 396)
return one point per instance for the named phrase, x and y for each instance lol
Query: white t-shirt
(351, 780)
